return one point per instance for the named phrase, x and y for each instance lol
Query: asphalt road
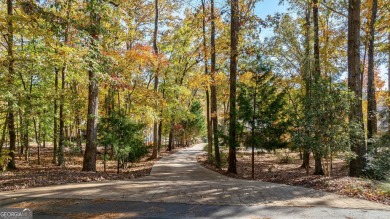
(73, 208)
(179, 187)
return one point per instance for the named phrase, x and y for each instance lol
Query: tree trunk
(11, 72)
(213, 89)
(159, 136)
(2, 140)
(253, 128)
(371, 99)
(206, 72)
(61, 142)
(317, 75)
(89, 162)
(55, 128)
(354, 84)
(77, 119)
(388, 83)
(155, 49)
(318, 170)
(26, 140)
(306, 160)
(78, 133)
(21, 131)
(43, 139)
(37, 140)
(317, 71)
(234, 28)
(307, 79)
(170, 140)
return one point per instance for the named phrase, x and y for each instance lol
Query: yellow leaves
(220, 78)
(246, 78)
(141, 54)
(64, 50)
(199, 81)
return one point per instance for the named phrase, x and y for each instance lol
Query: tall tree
(61, 142)
(11, 72)
(357, 164)
(213, 89)
(388, 79)
(317, 75)
(307, 80)
(234, 28)
(55, 120)
(89, 162)
(155, 49)
(371, 104)
(206, 71)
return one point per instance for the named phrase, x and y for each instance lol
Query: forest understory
(30, 174)
(281, 167)
(285, 168)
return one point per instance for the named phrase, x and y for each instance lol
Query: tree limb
(333, 10)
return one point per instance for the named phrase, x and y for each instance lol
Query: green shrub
(4, 159)
(378, 158)
(125, 135)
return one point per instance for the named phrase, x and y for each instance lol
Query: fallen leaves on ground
(268, 168)
(30, 174)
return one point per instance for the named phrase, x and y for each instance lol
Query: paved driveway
(179, 179)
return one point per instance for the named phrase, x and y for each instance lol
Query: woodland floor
(30, 174)
(270, 168)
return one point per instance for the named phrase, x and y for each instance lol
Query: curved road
(179, 184)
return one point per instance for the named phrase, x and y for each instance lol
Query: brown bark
(318, 170)
(317, 71)
(388, 83)
(61, 142)
(317, 75)
(206, 72)
(37, 139)
(159, 141)
(354, 84)
(371, 99)
(170, 140)
(213, 89)
(11, 72)
(21, 132)
(89, 162)
(2, 140)
(155, 49)
(234, 28)
(253, 128)
(307, 79)
(306, 160)
(78, 122)
(55, 128)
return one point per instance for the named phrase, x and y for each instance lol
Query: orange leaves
(199, 81)
(141, 57)
(141, 54)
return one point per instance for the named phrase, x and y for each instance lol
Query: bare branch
(333, 10)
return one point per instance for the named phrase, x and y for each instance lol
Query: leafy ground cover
(268, 167)
(30, 174)
(285, 169)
